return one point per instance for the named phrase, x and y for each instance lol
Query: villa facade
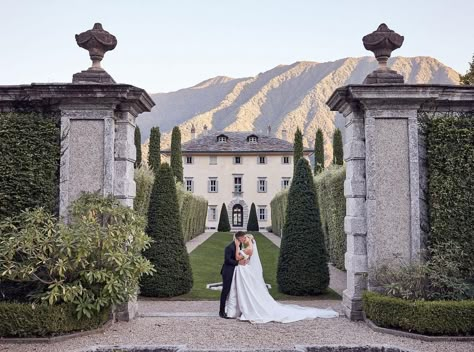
(237, 169)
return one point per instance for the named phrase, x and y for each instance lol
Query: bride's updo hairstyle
(249, 235)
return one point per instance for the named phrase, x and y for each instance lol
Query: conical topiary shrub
(252, 224)
(168, 252)
(303, 263)
(224, 225)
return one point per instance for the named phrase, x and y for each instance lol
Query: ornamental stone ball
(97, 41)
(382, 42)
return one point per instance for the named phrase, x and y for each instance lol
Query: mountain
(285, 97)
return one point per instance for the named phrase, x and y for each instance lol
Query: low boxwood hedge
(423, 317)
(27, 320)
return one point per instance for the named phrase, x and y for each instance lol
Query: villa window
(237, 160)
(262, 213)
(252, 139)
(212, 213)
(237, 184)
(285, 160)
(285, 182)
(188, 159)
(189, 184)
(261, 160)
(222, 138)
(262, 185)
(212, 185)
(213, 160)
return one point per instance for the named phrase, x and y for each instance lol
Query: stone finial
(97, 41)
(382, 42)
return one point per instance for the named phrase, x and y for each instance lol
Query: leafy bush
(431, 318)
(94, 262)
(252, 224)
(224, 225)
(332, 205)
(450, 155)
(30, 320)
(278, 207)
(302, 266)
(29, 163)
(193, 210)
(440, 278)
(168, 252)
(144, 179)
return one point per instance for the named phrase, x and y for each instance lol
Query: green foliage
(332, 206)
(168, 253)
(297, 148)
(41, 320)
(319, 152)
(338, 157)
(94, 262)
(439, 278)
(29, 163)
(303, 267)
(468, 78)
(144, 179)
(450, 155)
(138, 147)
(193, 210)
(176, 155)
(430, 318)
(252, 224)
(154, 152)
(224, 225)
(278, 207)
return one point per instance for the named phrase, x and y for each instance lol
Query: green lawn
(207, 259)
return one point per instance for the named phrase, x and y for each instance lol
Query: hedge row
(450, 154)
(27, 320)
(193, 213)
(424, 317)
(29, 162)
(332, 205)
(193, 208)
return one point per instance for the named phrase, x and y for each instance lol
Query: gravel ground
(214, 332)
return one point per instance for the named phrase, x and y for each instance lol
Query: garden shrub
(332, 205)
(303, 263)
(168, 252)
(424, 317)
(224, 225)
(278, 207)
(144, 179)
(450, 158)
(154, 149)
(29, 163)
(176, 155)
(252, 224)
(42, 320)
(93, 263)
(193, 210)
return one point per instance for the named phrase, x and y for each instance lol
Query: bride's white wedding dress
(250, 300)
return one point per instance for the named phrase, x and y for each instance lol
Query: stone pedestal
(384, 152)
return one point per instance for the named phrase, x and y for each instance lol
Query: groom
(227, 270)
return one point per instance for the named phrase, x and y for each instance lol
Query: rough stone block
(355, 225)
(354, 189)
(124, 186)
(354, 149)
(355, 207)
(357, 244)
(356, 263)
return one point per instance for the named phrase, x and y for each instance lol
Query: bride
(250, 300)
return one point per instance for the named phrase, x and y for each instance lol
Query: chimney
(193, 132)
(269, 130)
(205, 130)
(284, 135)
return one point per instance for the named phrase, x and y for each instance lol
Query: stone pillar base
(127, 311)
(352, 306)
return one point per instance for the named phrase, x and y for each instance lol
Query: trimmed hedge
(252, 224)
(29, 163)
(332, 204)
(193, 211)
(278, 208)
(224, 225)
(423, 317)
(450, 155)
(27, 320)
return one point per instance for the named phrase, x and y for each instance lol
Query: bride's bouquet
(243, 254)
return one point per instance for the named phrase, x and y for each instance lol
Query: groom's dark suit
(227, 273)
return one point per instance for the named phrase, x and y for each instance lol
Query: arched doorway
(237, 216)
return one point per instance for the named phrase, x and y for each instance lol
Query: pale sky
(168, 45)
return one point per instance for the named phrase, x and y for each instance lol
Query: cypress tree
(303, 263)
(154, 153)
(176, 156)
(337, 148)
(297, 148)
(224, 225)
(319, 152)
(252, 224)
(168, 252)
(138, 147)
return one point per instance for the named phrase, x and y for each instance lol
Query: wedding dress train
(250, 300)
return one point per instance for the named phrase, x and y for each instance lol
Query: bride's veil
(255, 260)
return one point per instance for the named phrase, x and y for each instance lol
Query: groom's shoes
(223, 315)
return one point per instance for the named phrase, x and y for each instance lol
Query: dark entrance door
(237, 216)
